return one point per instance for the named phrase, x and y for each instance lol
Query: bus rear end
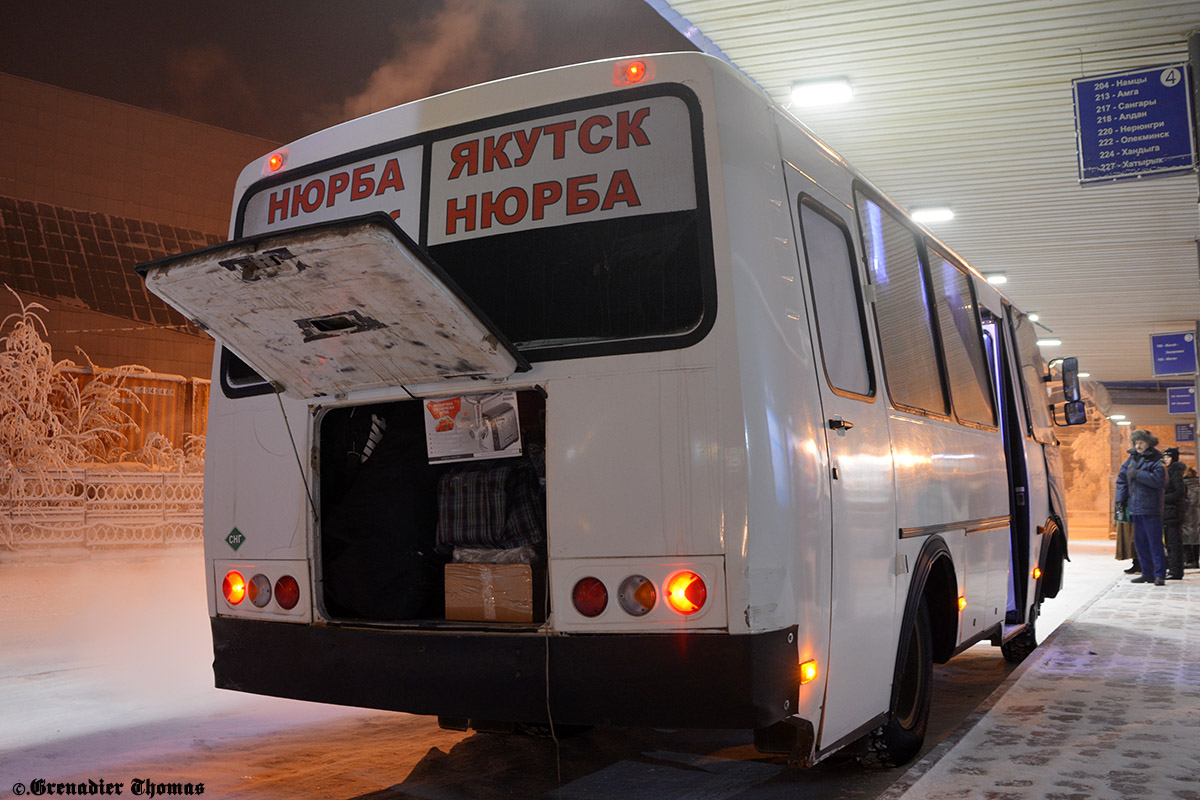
(471, 454)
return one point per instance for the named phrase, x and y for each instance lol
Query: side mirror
(1070, 380)
(1075, 413)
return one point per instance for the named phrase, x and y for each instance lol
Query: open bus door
(335, 307)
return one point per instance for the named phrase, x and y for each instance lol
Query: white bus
(611, 395)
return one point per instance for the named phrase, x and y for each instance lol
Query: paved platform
(1107, 707)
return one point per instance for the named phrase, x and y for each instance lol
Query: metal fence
(102, 508)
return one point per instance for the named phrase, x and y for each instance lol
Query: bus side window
(837, 300)
(1032, 384)
(238, 379)
(906, 339)
(958, 320)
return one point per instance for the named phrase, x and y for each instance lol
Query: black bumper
(662, 680)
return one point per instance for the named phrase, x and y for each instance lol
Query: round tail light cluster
(258, 589)
(684, 593)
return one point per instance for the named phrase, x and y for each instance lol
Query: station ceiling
(970, 105)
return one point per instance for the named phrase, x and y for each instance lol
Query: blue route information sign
(1131, 124)
(1185, 432)
(1174, 353)
(1181, 400)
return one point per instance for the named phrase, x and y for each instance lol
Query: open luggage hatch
(335, 307)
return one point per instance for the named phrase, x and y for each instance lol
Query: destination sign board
(1134, 124)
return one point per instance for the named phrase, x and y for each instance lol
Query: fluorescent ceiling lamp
(1033, 316)
(1084, 374)
(997, 278)
(1049, 342)
(932, 214)
(1124, 422)
(1116, 416)
(825, 92)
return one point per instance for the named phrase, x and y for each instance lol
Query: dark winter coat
(1140, 482)
(1175, 493)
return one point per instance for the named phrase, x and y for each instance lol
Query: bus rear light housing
(590, 597)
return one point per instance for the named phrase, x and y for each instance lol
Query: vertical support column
(1194, 68)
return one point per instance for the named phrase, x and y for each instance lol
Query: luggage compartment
(391, 517)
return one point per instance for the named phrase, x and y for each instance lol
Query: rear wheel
(899, 739)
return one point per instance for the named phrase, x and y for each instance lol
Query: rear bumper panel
(674, 680)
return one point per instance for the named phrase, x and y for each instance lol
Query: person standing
(1140, 492)
(1174, 509)
(1191, 521)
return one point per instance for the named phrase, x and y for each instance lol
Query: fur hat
(1149, 438)
(1173, 452)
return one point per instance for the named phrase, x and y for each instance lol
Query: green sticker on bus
(235, 539)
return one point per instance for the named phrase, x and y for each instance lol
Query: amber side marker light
(686, 593)
(1037, 572)
(275, 162)
(234, 587)
(962, 603)
(808, 672)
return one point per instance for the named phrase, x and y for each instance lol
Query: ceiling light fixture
(1085, 375)
(1124, 422)
(1049, 342)
(1033, 316)
(1116, 416)
(824, 92)
(996, 278)
(932, 214)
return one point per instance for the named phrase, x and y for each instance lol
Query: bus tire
(1018, 648)
(898, 740)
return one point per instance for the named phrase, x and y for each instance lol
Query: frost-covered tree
(50, 419)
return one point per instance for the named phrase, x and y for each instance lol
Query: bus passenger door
(862, 606)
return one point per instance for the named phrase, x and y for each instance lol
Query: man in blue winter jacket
(1140, 491)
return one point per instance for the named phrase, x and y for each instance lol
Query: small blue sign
(1184, 432)
(1132, 124)
(1174, 353)
(1181, 400)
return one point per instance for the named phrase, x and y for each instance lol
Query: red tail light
(590, 597)
(234, 587)
(287, 592)
(686, 592)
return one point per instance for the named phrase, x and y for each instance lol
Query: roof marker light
(627, 73)
(808, 672)
(962, 603)
(275, 162)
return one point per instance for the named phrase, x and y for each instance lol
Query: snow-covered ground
(105, 674)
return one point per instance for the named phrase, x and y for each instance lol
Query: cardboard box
(492, 592)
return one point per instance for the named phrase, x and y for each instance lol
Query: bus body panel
(784, 538)
(858, 463)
